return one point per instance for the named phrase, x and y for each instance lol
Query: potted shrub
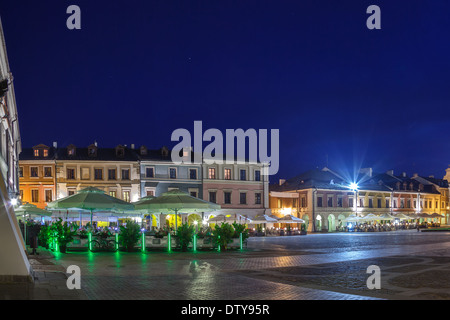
(303, 229)
(44, 236)
(185, 233)
(62, 233)
(223, 235)
(129, 235)
(238, 229)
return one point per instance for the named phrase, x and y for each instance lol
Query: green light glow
(169, 242)
(194, 242)
(117, 241)
(143, 242)
(90, 240)
(240, 240)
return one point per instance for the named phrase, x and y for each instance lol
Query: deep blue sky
(140, 69)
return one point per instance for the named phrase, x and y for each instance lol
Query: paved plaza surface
(413, 265)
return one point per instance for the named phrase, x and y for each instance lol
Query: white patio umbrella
(221, 218)
(352, 218)
(369, 217)
(263, 219)
(402, 216)
(386, 216)
(289, 218)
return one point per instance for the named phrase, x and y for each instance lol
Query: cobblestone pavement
(316, 267)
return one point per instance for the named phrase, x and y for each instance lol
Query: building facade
(323, 198)
(113, 170)
(239, 188)
(37, 175)
(158, 174)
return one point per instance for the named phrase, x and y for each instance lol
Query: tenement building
(324, 198)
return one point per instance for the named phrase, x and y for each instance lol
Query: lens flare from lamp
(353, 186)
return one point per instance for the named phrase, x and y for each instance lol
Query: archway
(340, 222)
(306, 218)
(331, 223)
(318, 223)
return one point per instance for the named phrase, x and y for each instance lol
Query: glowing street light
(354, 186)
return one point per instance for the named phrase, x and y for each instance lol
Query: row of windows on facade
(227, 197)
(98, 173)
(48, 195)
(150, 173)
(427, 204)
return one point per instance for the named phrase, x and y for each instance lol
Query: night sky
(137, 70)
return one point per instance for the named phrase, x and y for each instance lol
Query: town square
(233, 159)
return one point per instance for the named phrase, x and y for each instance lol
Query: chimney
(415, 175)
(390, 172)
(95, 143)
(282, 181)
(366, 171)
(404, 174)
(132, 146)
(55, 144)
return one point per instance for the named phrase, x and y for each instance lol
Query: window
(172, 173)
(126, 196)
(330, 201)
(150, 172)
(111, 174)
(193, 174)
(227, 197)
(378, 203)
(212, 196)
(258, 198)
(125, 174)
(193, 193)
(437, 205)
(227, 174)
(350, 202)
(45, 153)
(319, 202)
(34, 172)
(395, 203)
(98, 174)
(415, 203)
(36, 152)
(243, 198)
(150, 192)
(243, 174)
(71, 192)
(34, 195)
(303, 202)
(387, 203)
(211, 173)
(48, 195)
(361, 202)
(70, 174)
(370, 203)
(408, 203)
(113, 193)
(257, 175)
(21, 172)
(339, 201)
(48, 172)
